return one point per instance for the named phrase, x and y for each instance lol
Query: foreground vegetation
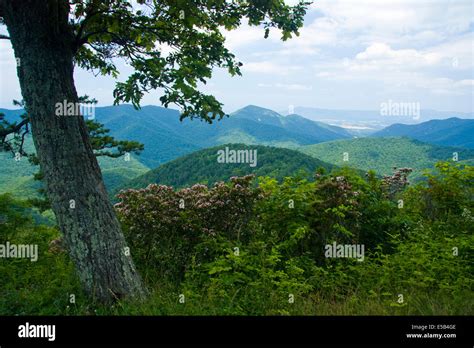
(242, 249)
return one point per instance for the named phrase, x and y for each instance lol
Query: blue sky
(351, 54)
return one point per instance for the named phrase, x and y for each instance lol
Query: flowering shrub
(164, 226)
(396, 182)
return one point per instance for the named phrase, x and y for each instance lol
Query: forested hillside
(382, 154)
(202, 167)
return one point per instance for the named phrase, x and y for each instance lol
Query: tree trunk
(43, 42)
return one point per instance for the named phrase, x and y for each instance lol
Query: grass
(44, 288)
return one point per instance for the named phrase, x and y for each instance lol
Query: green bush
(163, 226)
(42, 286)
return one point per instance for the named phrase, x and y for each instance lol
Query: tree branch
(80, 40)
(4, 37)
(14, 129)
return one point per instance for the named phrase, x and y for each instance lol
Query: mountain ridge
(453, 131)
(166, 137)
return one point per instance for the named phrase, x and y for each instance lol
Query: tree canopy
(191, 30)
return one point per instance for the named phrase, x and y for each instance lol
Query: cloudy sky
(351, 54)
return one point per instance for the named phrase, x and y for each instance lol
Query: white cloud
(294, 86)
(382, 56)
(243, 36)
(397, 21)
(454, 55)
(269, 67)
(286, 86)
(349, 23)
(321, 32)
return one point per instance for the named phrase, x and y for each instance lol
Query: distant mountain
(166, 138)
(364, 122)
(203, 167)
(157, 128)
(11, 115)
(451, 132)
(382, 154)
(294, 124)
(256, 125)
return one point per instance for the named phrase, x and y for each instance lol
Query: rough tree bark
(44, 44)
